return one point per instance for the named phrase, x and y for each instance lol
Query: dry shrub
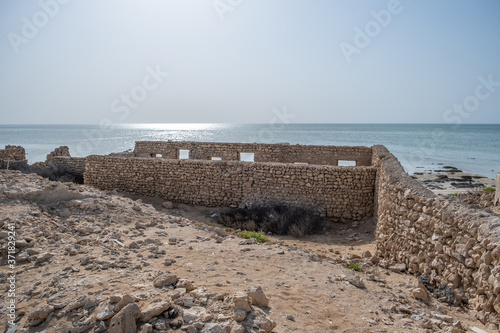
(276, 218)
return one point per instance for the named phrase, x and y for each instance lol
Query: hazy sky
(249, 61)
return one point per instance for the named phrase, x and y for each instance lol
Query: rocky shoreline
(93, 261)
(450, 180)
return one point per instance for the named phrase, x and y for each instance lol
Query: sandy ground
(71, 240)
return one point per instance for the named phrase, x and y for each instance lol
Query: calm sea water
(472, 148)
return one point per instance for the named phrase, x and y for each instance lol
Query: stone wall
(74, 164)
(451, 244)
(344, 193)
(62, 157)
(281, 153)
(13, 153)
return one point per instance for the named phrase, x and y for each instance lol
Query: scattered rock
(125, 320)
(242, 302)
(357, 282)
(154, 309)
(258, 297)
(38, 316)
(398, 268)
(193, 314)
(165, 279)
(127, 299)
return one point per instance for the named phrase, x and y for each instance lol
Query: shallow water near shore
(419, 147)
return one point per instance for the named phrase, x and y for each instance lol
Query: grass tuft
(489, 189)
(355, 266)
(258, 235)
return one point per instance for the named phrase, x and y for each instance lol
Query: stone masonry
(12, 154)
(280, 153)
(343, 193)
(62, 157)
(451, 244)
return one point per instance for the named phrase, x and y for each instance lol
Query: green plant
(258, 235)
(355, 266)
(489, 189)
(454, 194)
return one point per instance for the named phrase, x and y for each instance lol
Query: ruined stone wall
(62, 157)
(451, 244)
(74, 164)
(282, 153)
(13, 153)
(344, 193)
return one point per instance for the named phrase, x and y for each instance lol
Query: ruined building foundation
(450, 243)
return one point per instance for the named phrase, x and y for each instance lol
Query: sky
(249, 61)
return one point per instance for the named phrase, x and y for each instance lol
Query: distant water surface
(472, 148)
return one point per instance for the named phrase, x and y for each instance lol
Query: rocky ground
(90, 261)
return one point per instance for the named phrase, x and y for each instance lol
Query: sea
(419, 147)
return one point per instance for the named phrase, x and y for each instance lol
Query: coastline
(446, 180)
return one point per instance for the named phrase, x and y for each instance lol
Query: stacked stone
(62, 157)
(346, 194)
(451, 244)
(282, 153)
(12, 154)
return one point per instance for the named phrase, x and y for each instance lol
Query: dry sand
(69, 247)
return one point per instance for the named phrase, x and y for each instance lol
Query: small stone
(153, 310)
(242, 302)
(191, 329)
(169, 262)
(240, 315)
(398, 268)
(212, 328)
(186, 284)
(134, 245)
(42, 258)
(193, 314)
(147, 328)
(165, 279)
(420, 293)
(258, 297)
(127, 299)
(104, 314)
(40, 315)
(290, 317)
(115, 298)
(357, 282)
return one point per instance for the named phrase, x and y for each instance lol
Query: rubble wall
(343, 193)
(13, 153)
(75, 164)
(281, 153)
(448, 242)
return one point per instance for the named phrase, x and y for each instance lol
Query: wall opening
(216, 158)
(247, 157)
(183, 154)
(346, 163)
